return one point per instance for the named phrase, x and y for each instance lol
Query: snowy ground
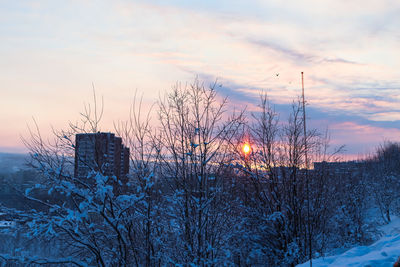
(383, 252)
(11, 163)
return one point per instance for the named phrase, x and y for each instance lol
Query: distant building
(103, 152)
(344, 167)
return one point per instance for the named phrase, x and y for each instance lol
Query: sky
(52, 52)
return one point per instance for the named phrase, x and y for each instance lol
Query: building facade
(100, 152)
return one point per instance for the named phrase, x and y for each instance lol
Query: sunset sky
(52, 51)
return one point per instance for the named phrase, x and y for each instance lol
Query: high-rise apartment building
(102, 152)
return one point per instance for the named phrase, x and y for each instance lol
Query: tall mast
(304, 119)
(306, 167)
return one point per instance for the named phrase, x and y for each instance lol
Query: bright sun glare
(246, 149)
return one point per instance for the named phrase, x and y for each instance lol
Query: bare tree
(91, 223)
(195, 138)
(139, 135)
(384, 172)
(276, 184)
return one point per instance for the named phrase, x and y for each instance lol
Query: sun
(246, 149)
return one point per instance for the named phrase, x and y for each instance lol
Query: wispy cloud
(52, 51)
(291, 53)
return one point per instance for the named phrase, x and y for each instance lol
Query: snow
(12, 163)
(382, 253)
(4, 224)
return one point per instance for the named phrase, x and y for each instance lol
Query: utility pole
(307, 178)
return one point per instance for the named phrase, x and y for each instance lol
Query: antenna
(306, 162)
(304, 119)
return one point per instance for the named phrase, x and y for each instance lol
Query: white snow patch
(5, 224)
(382, 253)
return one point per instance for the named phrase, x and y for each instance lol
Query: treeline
(13, 184)
(194, 198)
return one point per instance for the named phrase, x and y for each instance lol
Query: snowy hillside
(10, 163)
(382, 253)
